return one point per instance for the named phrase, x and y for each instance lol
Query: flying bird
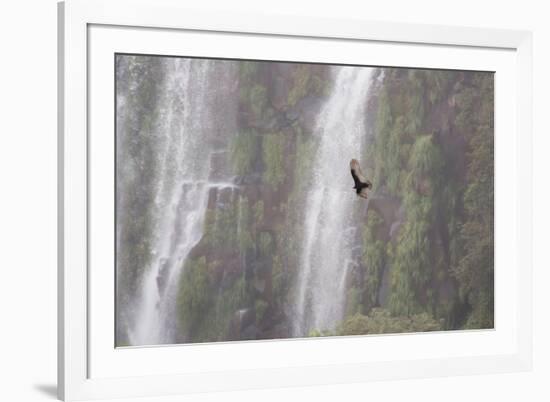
(361, 183)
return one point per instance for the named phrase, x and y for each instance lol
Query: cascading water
(329, 233)
(193, 126)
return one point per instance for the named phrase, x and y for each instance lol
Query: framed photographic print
(259, 201)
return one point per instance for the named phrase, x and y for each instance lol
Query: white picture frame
(89, 367)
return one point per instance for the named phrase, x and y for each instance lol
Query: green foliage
(415, 100)
(374, 255)
(273, 146)
(260, 308)
(244, 148)
(316, 333)
(393, 161)
(380, 147)
(258, 211)
(243, 224)
(257, 99)
(425, 159)
(400, 116)
(318, 85)
(248, 70)
(301, 80)
(411, 259)
(281, 279)
(265, 244)
(410, 268)
(194, 295)
(204, 315)
(353, 304)
(436, 84)
(357, 324)
(380, 321)
(220, 228)
(475, 270)
(215, 323)
(448, 225)
(253, 95)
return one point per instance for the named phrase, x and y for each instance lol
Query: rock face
(243, 325)
(391, 211)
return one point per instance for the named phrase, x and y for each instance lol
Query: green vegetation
(273, 155)
(194, 297)
(301, 83)
(380, 321)
(258, 212)
(475, 270)
(220, 228)
(374, 256)
(281, 281)
(244, 224)
(304, 83)
(244, 149)
(412, 265)
(206, 315)
(258, 100)
(260, 309)
(445, 240)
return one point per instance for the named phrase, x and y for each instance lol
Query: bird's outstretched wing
(360, 181)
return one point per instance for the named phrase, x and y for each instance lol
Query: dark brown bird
(361, 183)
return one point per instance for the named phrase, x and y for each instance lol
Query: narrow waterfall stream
(194, 125)
(329, 232)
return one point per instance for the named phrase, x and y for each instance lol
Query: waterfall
(191, 130)
(330, 230)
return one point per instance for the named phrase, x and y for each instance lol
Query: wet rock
(292, 115)
(243, 325)
(249, 179)
(249, 333)
(212, 198)
(278, 330)
(226, 197)
(306, 111)
(259, 285)
(392, 213)
(220, 165)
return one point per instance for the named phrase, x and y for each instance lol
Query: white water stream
(192, 122)
(329, 233)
